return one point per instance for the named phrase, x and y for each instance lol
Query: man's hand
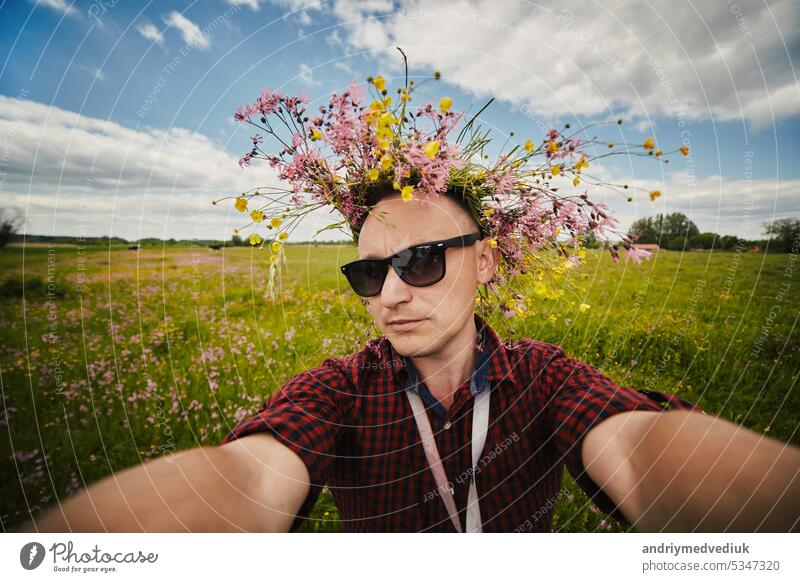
(688, 471)
(251, 484)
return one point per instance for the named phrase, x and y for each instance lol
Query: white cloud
(90, 70)
(191, 33)
(714, 203)
(306, 76)
(74, 174)
(251, 4)
(699, 60)
(59, 5)
(150, 32)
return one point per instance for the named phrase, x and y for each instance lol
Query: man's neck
(445, 372)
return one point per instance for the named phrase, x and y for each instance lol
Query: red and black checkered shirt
(351, 423)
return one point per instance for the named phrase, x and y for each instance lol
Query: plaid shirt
(351, 423)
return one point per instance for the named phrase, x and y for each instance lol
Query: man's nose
(395, 291)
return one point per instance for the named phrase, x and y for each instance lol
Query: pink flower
(636, 255)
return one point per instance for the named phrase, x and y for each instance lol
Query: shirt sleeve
(581, 397)
(307, 414)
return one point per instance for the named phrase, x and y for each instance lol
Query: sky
(116, 117)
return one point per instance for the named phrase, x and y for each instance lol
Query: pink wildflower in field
(637, 254)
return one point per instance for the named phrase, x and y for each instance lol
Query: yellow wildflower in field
(555, 170)
(373, 174)
(276, 246)
(257, 216)
(283, 236)
(529, 147)
(241, 204)
(445, 104)
(492, 243)
(275, 222)
(316, 135)
(386, 162)
(654, 194)
(255, 239)
(649, 143)
(576, 181)
(380, 83)
(584, 307)
(407, 193)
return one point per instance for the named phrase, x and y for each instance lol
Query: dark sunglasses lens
(367, 278)
(422, 266)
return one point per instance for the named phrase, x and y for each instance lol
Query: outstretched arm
(253, 484)
(687, 471)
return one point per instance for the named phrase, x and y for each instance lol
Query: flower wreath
(336, 156)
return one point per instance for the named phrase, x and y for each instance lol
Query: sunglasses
(419, 266)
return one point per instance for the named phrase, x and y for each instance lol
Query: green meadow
(111, 357)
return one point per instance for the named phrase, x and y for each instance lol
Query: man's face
(438, 312)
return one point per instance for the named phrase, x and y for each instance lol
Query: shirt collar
(492, 364)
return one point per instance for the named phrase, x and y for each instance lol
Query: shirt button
(447, 425)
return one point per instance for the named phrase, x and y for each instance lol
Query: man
(350, 423)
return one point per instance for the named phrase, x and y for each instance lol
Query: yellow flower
(489, 211)
(407, 193)
(555, 170)
(405, 96)
(584, 307)
(241, 204)
(492, 243)
(380, 83)
(649, 143)
(529, 147)
(276, 246)
(373, 174)
(255, 239)
(386, 119)
(684, 150)
(386, 162)
(552, 319)
(576, 181)
(387, 101)
(582, 163)
(445, 104)
(283, 236)
(552, 147)
(658, 153)
(257, 216)
(275, 222)
(654, 194)
(431, 149)
(316, 135)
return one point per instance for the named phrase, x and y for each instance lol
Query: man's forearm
(689, 471)
(251, 485)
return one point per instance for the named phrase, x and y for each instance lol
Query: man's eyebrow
(374, 256)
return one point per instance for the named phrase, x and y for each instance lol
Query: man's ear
(488, 259)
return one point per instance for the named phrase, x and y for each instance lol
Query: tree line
(677, 232)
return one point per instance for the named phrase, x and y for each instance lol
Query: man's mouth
(402, 324)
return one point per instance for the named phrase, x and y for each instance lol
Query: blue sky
(119, 110)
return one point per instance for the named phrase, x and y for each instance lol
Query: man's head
(440, 311)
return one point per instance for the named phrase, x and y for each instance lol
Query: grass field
(111, 357)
